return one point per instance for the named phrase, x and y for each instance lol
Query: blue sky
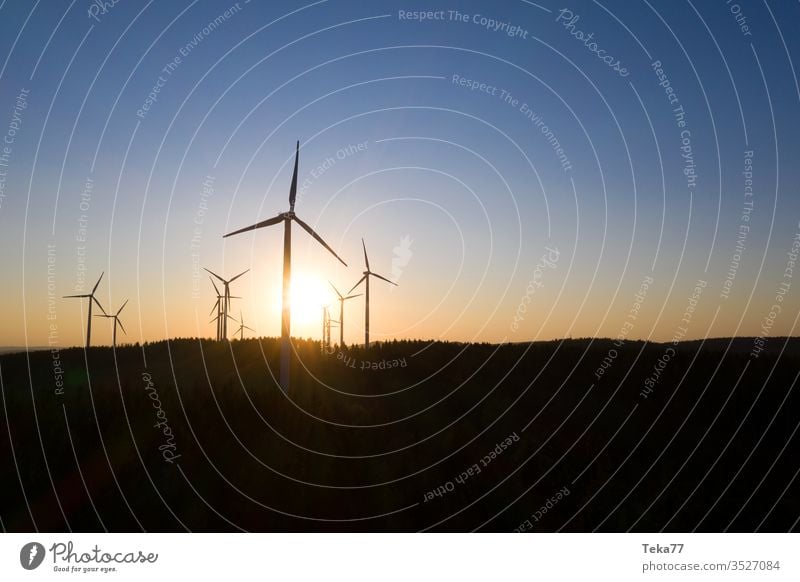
(472, 184)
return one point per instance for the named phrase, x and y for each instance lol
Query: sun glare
(309, 293)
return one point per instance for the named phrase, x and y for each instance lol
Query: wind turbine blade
(352, 296)
(93, 298)
(250, 328)
(71, 296)
(217, 276)
(122, 327)
(366, 259)
(293, 188)
(384, 278)
(214, 284)
(237, 276)
(215, 306)
(123, 306)
(310, 231)
(96, 285)
(278, 219)
(335, 289)
(361, 280)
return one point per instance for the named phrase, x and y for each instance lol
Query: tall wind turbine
(287, 218)
(242, 327)
(342, 299)
(365, 278)
(226, 299)
(115, 317)
(92, 299)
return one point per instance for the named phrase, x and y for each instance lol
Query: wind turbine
(226, 299)
(342, 299)
(286, 218)
(242, 327)
(115, 317)
(365, 278)
(92, 299)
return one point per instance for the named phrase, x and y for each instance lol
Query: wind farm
(578, 310)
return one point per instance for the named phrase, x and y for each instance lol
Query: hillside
(196, 435)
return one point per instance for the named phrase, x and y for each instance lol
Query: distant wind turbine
(117, 321)
(325, 317)
(365, 278)
(327, 323)
(226, 300)
(342, 299)
(92, 299)
(242, 327)
(287, 218)
(218, 307)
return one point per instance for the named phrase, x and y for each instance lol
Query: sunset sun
(309, 294)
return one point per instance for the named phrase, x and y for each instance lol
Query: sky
(523, 171)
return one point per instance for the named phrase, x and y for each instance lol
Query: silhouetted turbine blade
(361, 280)
(384, 278)
(335, 289)
(237, 276)
(310, 231)
(215, 306)
(98, 303)
(214, 284)
(96, 285)
(122, 327)
(123, 306)
(352, 296)
(217, 276)
(278, 219)
(250, 328)
(72, 296)
(366, 259)
(293, 188)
